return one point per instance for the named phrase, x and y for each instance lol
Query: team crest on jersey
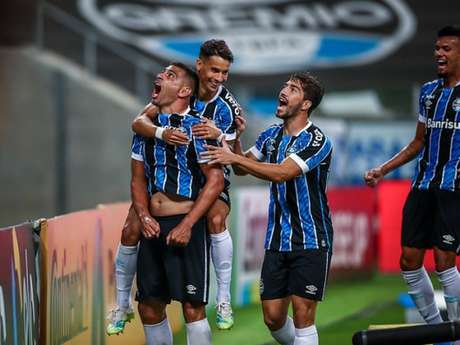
(428, 102)
(271, 145)
(266, 36)
(456, 105)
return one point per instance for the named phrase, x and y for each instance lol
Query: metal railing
(92, 40)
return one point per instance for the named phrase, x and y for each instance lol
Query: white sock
(158, 334)
(125, 269)
(221, 254)
(450, 281)
(198, 332)
(286, 334)
(421, 292)
(306, 336)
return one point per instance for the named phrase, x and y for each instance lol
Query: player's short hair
(312, 88)
(189, 73)
(215, 47)
(449, 30)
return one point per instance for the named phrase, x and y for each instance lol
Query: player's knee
(193, 311)
(409, 263)
(151, 313)
(131, 233)
(216, 223)
(273, 320)
(444, 260)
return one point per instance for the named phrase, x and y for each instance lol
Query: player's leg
(308, 274)
(274, 294)
(221, 254)
(445, 252)
(416, 235)
(153, 293)
(125, 269)
(196, 323)
(187, 271)
(157, 329)
(278, 321)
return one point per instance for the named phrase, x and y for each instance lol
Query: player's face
(167, 86)
(290, 99)
(447, 56)
(212, 72)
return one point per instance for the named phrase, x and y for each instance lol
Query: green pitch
(348, 307)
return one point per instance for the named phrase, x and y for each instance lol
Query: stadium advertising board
(269, 36)
(78, 281)
(18, 286)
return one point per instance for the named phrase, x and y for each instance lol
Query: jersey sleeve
(312, 152)
(259, 150)
(225, 119)
(200, 148)
(421, 106)
(137, 148)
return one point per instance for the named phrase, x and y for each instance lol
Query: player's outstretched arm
(140, 198)
(180, 235)
(373, 176)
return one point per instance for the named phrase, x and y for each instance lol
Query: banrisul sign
(267, 36)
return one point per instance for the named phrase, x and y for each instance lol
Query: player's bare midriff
(164, 204)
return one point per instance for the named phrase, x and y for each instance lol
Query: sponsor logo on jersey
(267, 36)
(446, 124)
(456, 105)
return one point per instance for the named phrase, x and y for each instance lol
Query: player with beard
(431, 217)
(214, 102)
(295, 157)
(219, 111)
(172, 188)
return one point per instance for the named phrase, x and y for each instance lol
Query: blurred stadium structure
(74, 74)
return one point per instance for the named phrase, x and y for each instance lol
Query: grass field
(348, 307)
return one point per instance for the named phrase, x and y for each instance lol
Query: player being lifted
(213, 102)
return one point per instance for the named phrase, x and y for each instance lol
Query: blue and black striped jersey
(137, 147)
(222, 109)
(439, 160)
(298, 215)
(169, 168)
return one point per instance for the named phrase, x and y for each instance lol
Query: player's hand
(207, 129)
(179, 236)
(240, 122)
(373, 176)
(150, 227)
(174, 136)
(222, 155)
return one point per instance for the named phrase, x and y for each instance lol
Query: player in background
(219, 110)
(295, 157)
(431, 214)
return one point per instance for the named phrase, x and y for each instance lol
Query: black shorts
(431, 218)
(302, 273)
(168, 273)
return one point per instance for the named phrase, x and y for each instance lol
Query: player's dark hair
(312, 88)
(449, 30)
(215, 47)
(191, 75)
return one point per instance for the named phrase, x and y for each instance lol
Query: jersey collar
(309, 123)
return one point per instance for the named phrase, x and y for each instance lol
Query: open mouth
(441, 63)
(282, 102)
(156, 90)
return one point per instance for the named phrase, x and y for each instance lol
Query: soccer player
(173, 259)
(215, 103)
(295, 157)
(431, 217)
